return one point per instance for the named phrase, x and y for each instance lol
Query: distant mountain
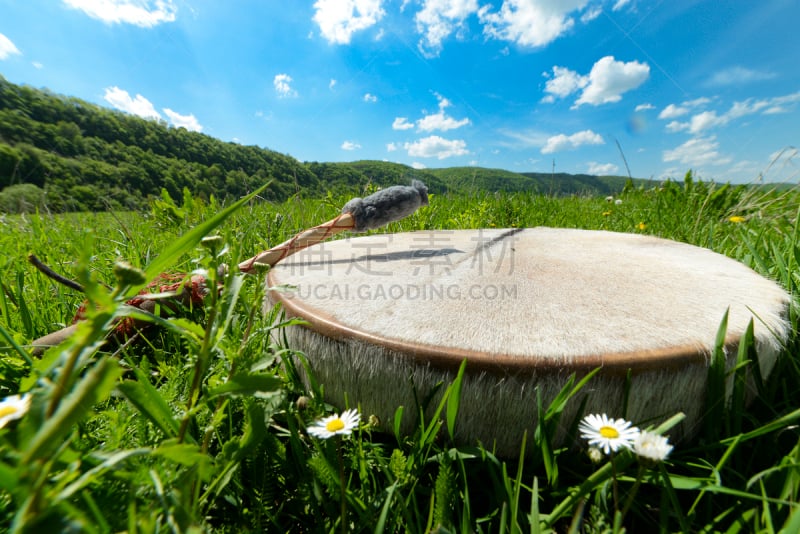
(559, 184)
(469, 179)
(71, 155)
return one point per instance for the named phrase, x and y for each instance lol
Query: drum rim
(496, 362)
(636, 361)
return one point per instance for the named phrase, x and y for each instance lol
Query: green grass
(201, 425)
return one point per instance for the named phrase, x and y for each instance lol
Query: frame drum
(389, 316)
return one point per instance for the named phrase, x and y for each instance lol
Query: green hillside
(481, 179)
(360, 174)
(86, 157)
(64, 154)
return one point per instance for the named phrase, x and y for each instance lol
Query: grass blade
(187, 241)
(454, 399)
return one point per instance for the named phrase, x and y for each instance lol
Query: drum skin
(390, 316)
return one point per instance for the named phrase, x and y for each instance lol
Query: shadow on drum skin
(298, 261)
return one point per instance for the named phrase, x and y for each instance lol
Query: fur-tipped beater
(387, 205)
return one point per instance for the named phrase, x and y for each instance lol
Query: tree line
(61, 153)
(78, 156)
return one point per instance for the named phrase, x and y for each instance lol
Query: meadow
(201, 424)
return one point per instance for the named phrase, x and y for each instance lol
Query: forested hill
(89, 157)
(73, 155)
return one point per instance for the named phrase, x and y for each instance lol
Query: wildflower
(736, 219)
(651, 447)
(13, 407)
(595, 455)
(618, 202)
(335, 425)
(608, 434)
(302, 402)
(212, 242)
(128, 275)
(606, 213)
(610, 198)
(641, 226)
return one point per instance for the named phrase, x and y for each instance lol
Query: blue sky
(523, 85)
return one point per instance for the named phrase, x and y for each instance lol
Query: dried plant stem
(50, 273)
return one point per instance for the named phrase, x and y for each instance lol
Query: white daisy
(335, 425)
(607, 434)
(13, 407)
(651, 446)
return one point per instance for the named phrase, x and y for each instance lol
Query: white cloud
(610, 78)
(391, 147)
(137, 105)
(143, 13)
(530, 22)
(697, 152)
(592, 13)
(677, 126)
(738, 76)
(436, 147)
(602, 169)
(560, 142)
(7, 48)
(332, 84)
(563, 83)
(438, 19)
(433, 121)
(350, 145)
(37, 65)
(189, 122)
(401, 123)
(419, 166)
(370, 98)
(604, 84)
(672, 111)
(620, 4)
(282, 84)
(706, 120)
(747, 107)
(338, 20)
(440, 121)
(702, 101)
(792, 98)
(775, 110)
(644, 107)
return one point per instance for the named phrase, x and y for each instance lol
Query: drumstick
(358, 215)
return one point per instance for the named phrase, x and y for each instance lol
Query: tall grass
(199, 425)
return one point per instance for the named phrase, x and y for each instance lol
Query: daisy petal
(608, 435)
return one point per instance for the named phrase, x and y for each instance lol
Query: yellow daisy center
(609, 432)
(8, 410)
(334, 425)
